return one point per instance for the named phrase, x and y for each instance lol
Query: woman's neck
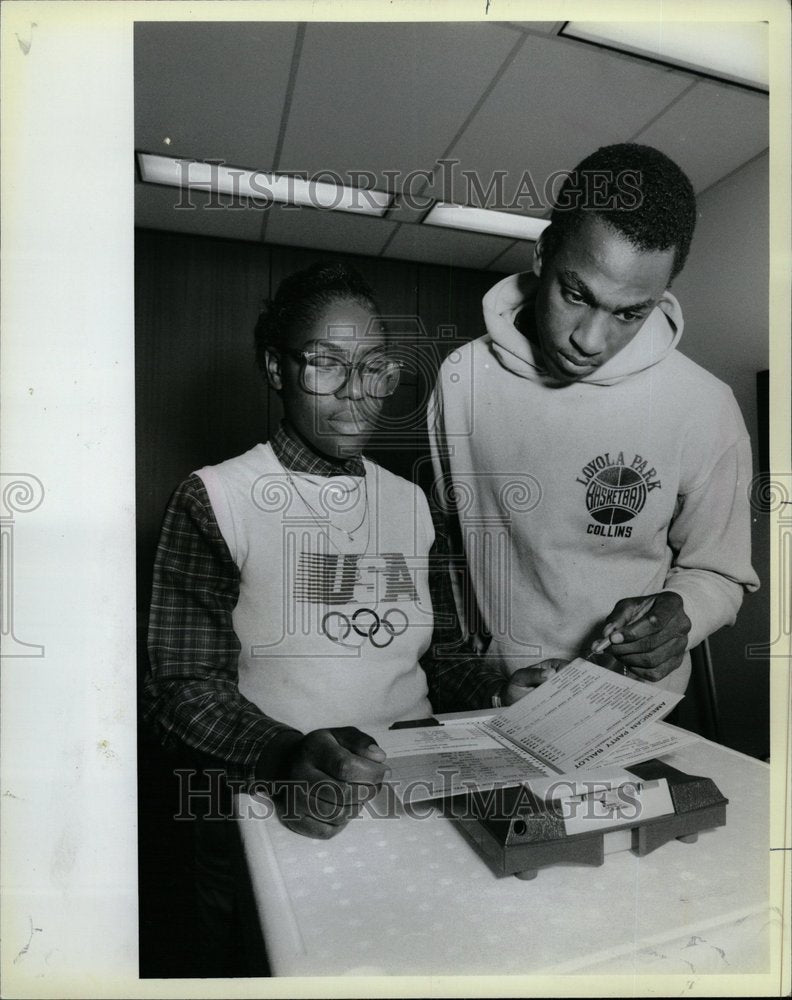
(336, 460)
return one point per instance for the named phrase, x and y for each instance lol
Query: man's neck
(525, 322)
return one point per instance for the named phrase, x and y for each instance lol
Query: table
(407, 896)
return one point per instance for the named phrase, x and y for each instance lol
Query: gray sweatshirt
(568, 498)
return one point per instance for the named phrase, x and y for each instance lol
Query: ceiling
(393, 99)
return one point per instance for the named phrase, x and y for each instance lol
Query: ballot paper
(654, 740)
(581, 713)
(584, 718)
(437, 761)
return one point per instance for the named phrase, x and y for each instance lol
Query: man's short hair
(638, 190)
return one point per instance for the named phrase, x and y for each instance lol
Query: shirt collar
(295, 455)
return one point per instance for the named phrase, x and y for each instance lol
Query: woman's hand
(329, 774)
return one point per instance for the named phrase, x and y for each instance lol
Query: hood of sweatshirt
(657, 337)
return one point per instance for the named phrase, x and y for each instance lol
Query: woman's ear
(274, 376)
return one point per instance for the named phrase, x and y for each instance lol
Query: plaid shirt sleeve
(191, 694)
(457, 677)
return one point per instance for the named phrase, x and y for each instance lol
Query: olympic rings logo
(366, 624)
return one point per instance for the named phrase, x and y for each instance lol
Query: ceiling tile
(557, 102)
(711, 131)
(436, 245)
(216, 90)
(380, 96)
(155, 209)
(326, 230)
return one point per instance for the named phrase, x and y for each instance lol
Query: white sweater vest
(334, 608)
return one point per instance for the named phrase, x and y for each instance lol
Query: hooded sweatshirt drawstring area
(657, 337)
(569, 497)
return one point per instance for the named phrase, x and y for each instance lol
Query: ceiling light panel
(260, 186)
(483, 220)
(732, 51)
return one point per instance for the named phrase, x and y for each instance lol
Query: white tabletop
(410, 896)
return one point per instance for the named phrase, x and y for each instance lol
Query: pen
(602, 644)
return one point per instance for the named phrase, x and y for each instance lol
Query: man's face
(339, 423)
(594, 294)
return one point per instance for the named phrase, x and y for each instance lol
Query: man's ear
(538, 254)
(274, 376)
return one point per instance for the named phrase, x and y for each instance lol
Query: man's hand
(526, 678)
(330, 774)
(648, 635)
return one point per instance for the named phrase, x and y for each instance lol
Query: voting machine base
(518, 832)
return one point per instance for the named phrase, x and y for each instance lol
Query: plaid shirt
(191, 695)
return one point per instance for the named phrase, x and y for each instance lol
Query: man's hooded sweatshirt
(567, 498)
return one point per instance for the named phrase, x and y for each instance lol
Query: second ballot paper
(583, 719)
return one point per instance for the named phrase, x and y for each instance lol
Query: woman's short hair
(302, 298)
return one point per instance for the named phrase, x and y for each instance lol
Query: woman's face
(339, 423)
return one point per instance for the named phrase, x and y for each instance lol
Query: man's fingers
(528, 677)
(607, 661)
(622, 614)
(670, 651)
(518, 687)
(648, 636)
(648, 624)
(636, 617)
(656, 673)
(537, 674)
(666, 619)
(551, 665)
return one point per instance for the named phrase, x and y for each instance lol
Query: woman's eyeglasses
(324, 374)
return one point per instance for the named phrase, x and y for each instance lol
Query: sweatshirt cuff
(710, 602)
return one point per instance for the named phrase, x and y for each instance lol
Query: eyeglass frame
(350, 366)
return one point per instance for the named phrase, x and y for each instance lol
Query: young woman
(291, 604)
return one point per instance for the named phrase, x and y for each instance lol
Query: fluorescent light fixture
(735, 51)
(263, 187)
(483, 220)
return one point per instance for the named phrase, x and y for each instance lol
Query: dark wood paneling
(199, 398)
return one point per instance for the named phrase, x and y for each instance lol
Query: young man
(636, 536)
